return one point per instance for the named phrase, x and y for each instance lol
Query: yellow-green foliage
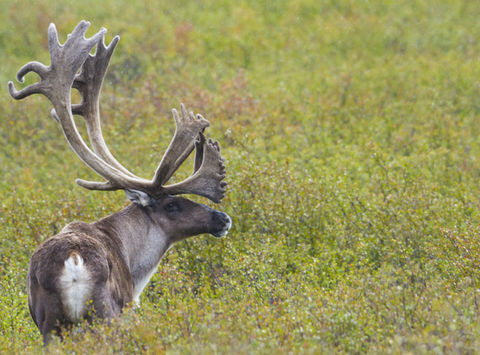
(350, 130)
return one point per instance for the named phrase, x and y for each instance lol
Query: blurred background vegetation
(350, 130)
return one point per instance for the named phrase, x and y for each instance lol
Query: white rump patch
(75, 286)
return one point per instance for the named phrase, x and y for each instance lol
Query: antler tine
(29, 90)
(188, 127)
(71, 57)
(36, 88)
(36, 67)
(207, 180)
(99, 186)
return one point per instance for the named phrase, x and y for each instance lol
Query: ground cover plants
(350, 130)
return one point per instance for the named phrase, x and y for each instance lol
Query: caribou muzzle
(221, 223)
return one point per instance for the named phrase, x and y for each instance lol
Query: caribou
(94, 270)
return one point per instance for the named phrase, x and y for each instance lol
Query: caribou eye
(171, 207)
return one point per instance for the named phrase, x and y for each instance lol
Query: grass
(350, 130)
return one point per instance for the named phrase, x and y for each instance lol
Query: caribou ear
(139, 197)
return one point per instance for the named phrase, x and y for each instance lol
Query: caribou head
(104, 265)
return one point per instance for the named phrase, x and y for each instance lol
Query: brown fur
(104, 260)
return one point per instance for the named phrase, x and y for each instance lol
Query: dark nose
(222, 224)
(222, 217)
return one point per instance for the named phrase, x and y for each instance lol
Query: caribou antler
(56, 83)
(89, 83)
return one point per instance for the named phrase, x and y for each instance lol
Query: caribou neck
(143, 240)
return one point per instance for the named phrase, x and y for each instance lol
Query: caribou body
(95, 269)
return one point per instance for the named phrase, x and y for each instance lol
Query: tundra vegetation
(351, 136)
